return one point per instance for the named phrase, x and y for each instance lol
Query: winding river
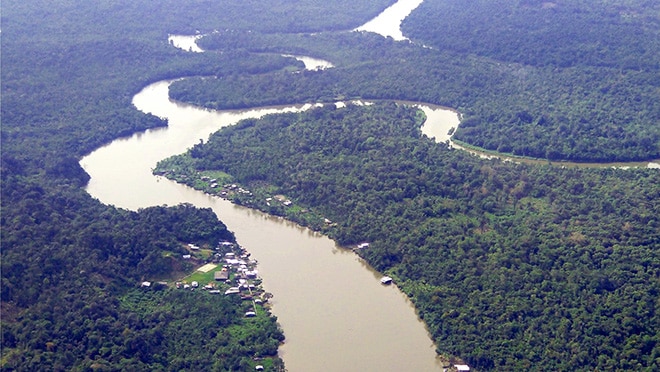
(335, 314)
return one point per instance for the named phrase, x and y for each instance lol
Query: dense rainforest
(70, 265)
(571, 81)
(511, 266)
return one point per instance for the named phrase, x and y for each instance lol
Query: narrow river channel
(335, 314)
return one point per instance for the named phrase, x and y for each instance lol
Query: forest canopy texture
(569, 80)
(70, 265)
(510, 266)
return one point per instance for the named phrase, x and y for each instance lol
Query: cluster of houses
(225, 191)
(235, 269)
(231, 266)
(213, 185)
(279, 198)
(229, 189)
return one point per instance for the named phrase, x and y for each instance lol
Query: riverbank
(276, 206)
(441, 130)
(258, 196)
(320, 289)
(298, 284)
(460, 235)
(487, 154)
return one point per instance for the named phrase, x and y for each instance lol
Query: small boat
(385, 280)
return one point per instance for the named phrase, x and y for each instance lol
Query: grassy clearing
(201, 277)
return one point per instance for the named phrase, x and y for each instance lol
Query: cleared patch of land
(208, 267)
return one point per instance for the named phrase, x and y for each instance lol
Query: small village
(226, 270)
(264, 199)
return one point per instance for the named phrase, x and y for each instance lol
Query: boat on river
(386, 280)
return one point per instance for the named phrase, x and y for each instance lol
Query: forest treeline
(579, 111)
(511, 266)
(70, 265)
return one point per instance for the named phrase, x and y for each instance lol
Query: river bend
(335, 314)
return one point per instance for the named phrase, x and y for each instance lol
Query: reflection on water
(388, 23)
(186, 42)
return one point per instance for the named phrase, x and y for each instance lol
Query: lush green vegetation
(511, 266)
(584, 110)
(65, 278)
(70, 265)
(605, 33)
(603, 58)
